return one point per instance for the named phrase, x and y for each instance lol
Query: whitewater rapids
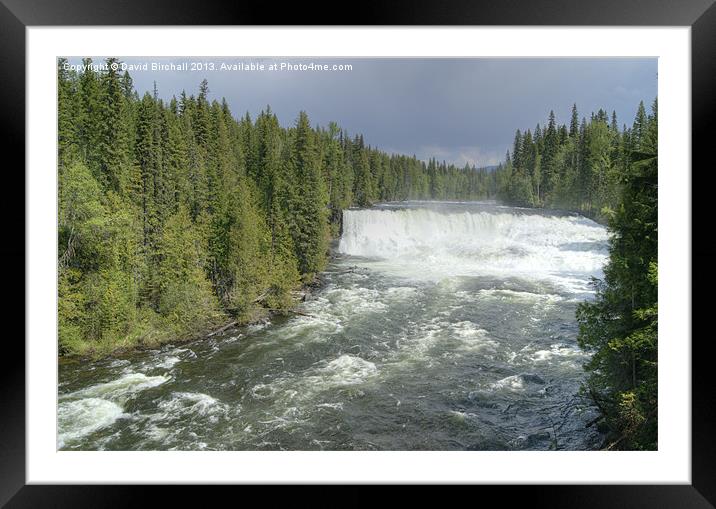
(440, 326)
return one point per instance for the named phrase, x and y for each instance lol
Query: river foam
(433, 244)
(87, 410)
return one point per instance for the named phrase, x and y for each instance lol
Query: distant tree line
(579, 167)
(176, 216)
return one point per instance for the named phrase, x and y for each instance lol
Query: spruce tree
(113, 155)
(309, 201)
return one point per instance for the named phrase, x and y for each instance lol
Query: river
(439, 326)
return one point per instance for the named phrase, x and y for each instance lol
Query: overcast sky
(458, 110)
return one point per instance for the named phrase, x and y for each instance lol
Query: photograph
(427, 243)
(357, 253)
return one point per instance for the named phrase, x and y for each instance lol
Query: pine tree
(67, 115)
(639, 127)
(551, 144)
(308, 201)
(89, 119)
(574, 123)
(364, 187)
(113, 154)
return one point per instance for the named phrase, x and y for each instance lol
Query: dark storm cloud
(459, 110)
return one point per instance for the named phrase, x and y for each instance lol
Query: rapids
(439, 326)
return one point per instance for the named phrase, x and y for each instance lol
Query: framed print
(419, 250)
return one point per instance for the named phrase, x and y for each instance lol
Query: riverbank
(143, 327)
(154, 332)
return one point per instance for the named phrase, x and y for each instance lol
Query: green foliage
(576, 168)
(621, 325)
(364, 190)
(81, 213)
(186, 299)
(520, 190)
(308, 200)
(70, 311)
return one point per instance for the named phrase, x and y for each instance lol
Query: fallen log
(292, 311)
(261, 297)
(222, 329)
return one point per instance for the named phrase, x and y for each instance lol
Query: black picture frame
(16, 15)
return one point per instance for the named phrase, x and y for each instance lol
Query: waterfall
(527, 245)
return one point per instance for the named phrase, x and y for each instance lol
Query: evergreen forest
(175, 217)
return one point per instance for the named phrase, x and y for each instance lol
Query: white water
(98, 406)
(429, 244)
(439, 327)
